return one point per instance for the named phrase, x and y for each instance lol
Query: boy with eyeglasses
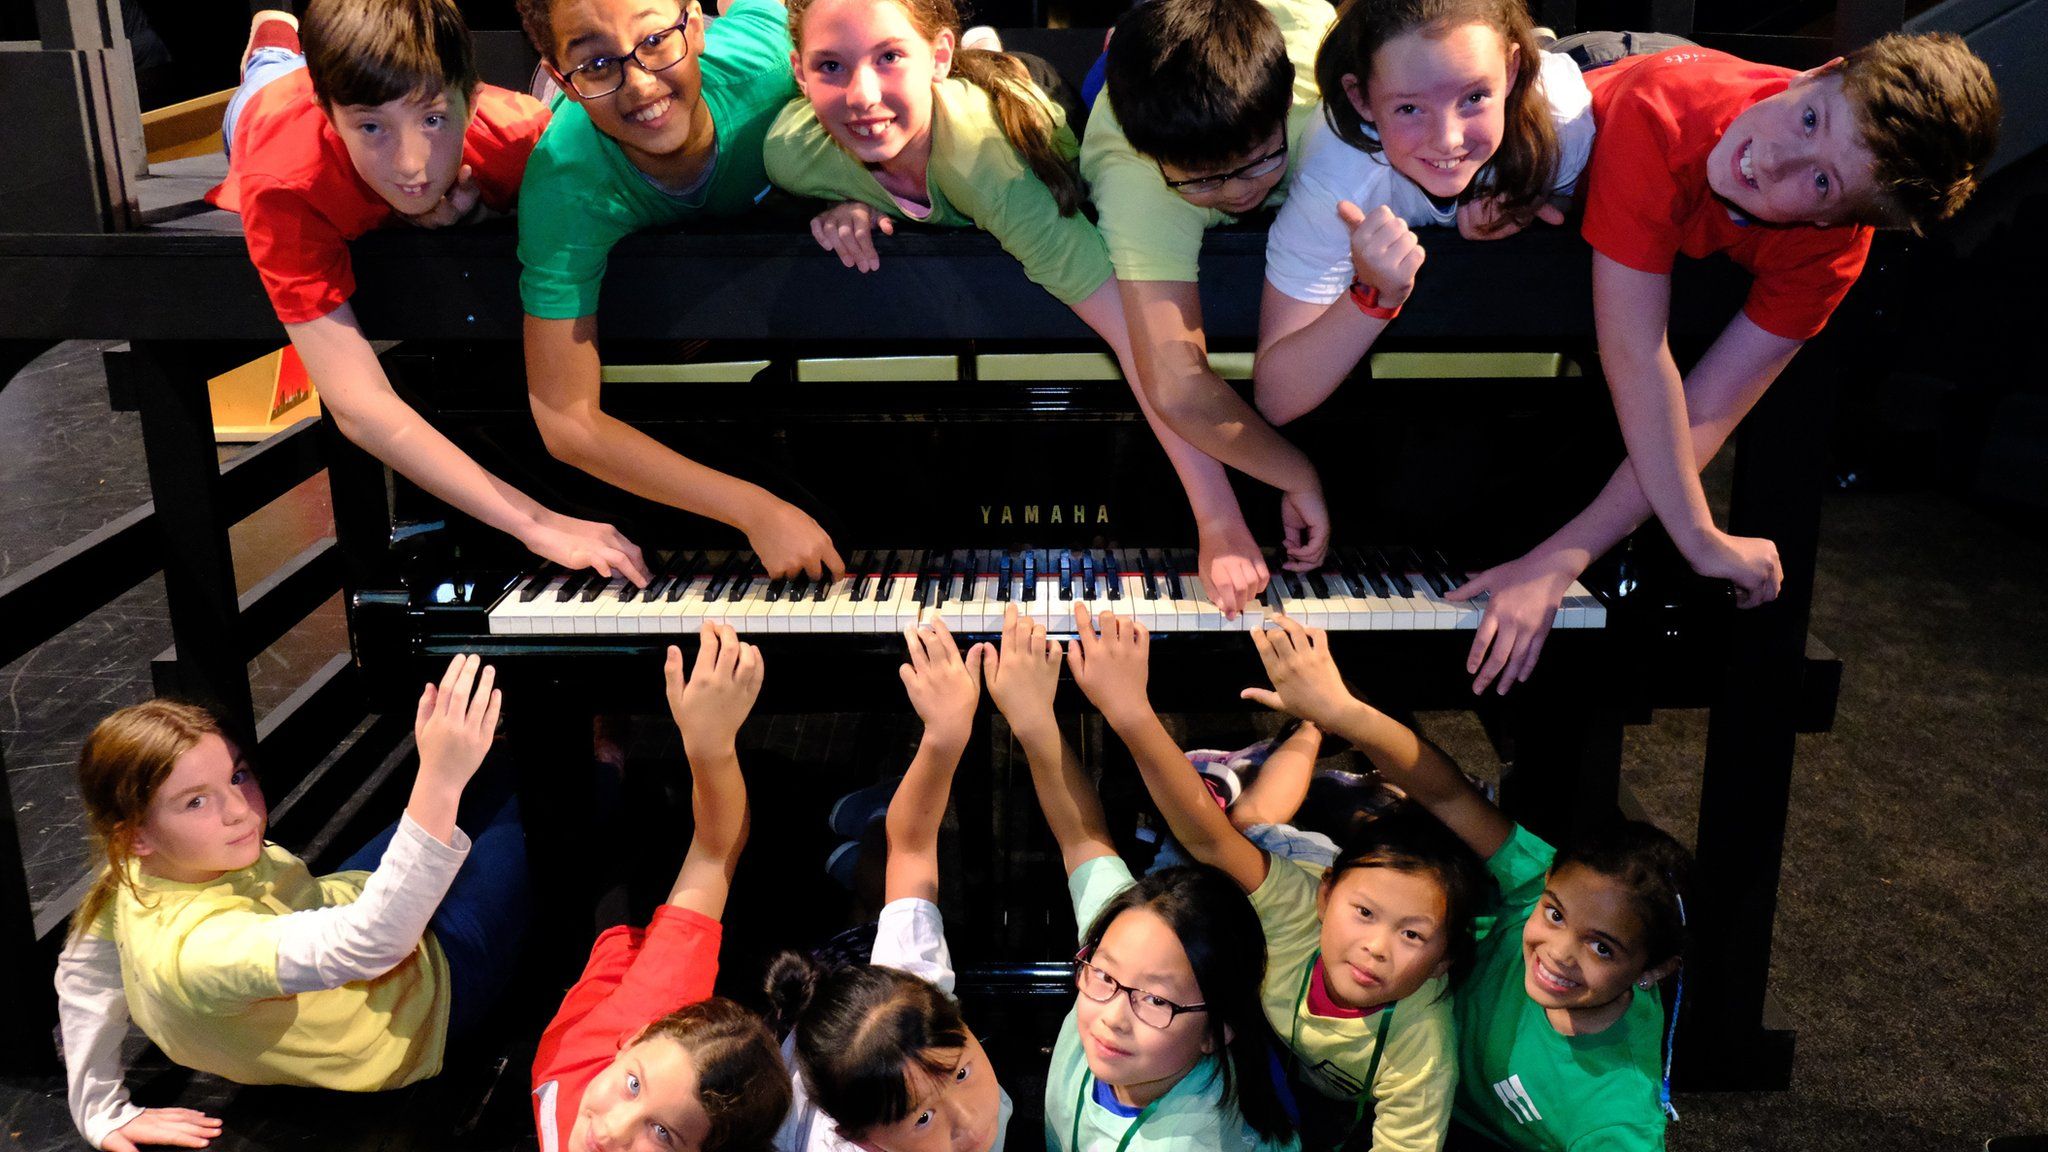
(369, 113)
(660, 120)
(1200, 118)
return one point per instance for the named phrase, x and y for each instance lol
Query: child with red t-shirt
(1786, 173)
(379, 119)
(641, 1053)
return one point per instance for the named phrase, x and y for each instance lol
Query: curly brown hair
(741, 1083)
(1928, 111)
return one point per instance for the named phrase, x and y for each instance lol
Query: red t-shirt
(1647, 198)
(634, 975)
(302, 202)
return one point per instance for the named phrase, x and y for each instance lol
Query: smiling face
(1383, 934)
(868, 74)
(1139, 950)
(409, 150)
(1794, 158)
(655, 116)
(958, 1112)
(1438, 101)
(1582, 947)
(646, 1101)
(206, 820)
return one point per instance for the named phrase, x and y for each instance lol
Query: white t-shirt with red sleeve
(1647, 198)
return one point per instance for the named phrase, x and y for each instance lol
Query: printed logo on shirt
(1683, 57)
(1516, 1100)
(1332, 1077)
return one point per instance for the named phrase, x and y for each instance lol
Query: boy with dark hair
(1198, 123)
(380, 118)
(1785, 172)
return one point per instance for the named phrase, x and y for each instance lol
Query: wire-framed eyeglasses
(1149, 1007)
(654, 52)
(1265, 165)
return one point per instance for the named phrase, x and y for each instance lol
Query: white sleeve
(92, 1018)
(1571, 112)
(1308, 249)
(911, 936)
(329, 947)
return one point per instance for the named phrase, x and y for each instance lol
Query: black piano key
(535, 583)
(775, 590)
(1088, 576)
(970, 576)
(1030, 576)
(1066, 576)
(572, 586)
(594, 587)
(1003, 580)
(743, 580)
(1453, 576)
(822, 589)
(1145, 571)
(1318, 585)
(1114, 574)
(1175, 565)
(863, 575)
(886, 578)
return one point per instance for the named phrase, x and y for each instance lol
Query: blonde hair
(126, 759)
(1021, 109)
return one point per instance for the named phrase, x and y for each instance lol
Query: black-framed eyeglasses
(1265, 165)
(655, 52)
(1149, 1007)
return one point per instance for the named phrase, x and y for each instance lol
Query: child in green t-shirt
(1166, 1048)
(898, 122)
(660, 121)
(1360, 951)
(1561, 1041)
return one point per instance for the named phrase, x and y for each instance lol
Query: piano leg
(1780, 475)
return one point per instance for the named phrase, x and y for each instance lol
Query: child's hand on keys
(1025, 674)
(848, 229)
(712, 704)
(788, 541)
(943, 688)
(1384, 251)
(1232, 568)
(576, 544)
(1111, 659)
(1522, 599)
(1305, 679)
(454, 725)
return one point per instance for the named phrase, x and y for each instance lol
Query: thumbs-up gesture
(1384, 251)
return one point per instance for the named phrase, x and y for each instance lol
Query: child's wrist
(948, 736)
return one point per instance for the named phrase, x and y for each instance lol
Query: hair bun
(791, 982)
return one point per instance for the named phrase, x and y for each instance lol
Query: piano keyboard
(885, 591)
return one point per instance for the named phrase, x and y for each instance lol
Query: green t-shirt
(1523, 1083)
(1152, 233)
(1190, 1118)
(975, 178)
(1412, 1088)
(582, 195)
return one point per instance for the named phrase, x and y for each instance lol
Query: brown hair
(1928, 111)
(376, 51)
(126, 759)
(1523, 170)
(1023, 111)
(741, 1082)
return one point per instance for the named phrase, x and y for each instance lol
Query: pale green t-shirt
(1192, 1117)
(1417, 1074)
(975, 178)
(1521, 1082)
(581, 195)
(1152, 233)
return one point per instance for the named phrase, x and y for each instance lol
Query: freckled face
(1438, 100)
(408, 150)
(1583, 945)
(868, 74)
(206, 820)
(646, 1101)
(1383, 934)
(1793, 158)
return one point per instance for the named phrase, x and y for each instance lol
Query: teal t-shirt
(1519, 1080)
(1192, 1117)
(582, 195)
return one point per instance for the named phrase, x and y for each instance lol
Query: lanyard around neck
(1081, 1101)
(1379, 1047)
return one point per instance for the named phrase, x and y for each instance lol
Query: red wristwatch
(1367, 297)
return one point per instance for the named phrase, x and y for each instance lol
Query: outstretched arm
(354, 389)
(708, 709)
(1723, 386)
(944, 690)
(564, 379)
(1306, 684)
(1111, 658)
(1023, 676)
